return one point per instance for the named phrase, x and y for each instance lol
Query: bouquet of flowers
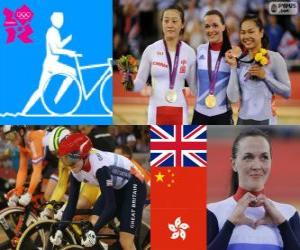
(127, 65)
(261, 57)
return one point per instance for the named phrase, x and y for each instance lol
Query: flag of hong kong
(178, 187)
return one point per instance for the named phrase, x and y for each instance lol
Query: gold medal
(171, 95)
(210, 101)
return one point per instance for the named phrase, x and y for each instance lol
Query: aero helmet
(55, 137)
(77, 144)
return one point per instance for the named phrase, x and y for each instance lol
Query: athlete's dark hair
(258, 22)
(226, 42)
(235, 147)
(181, 13)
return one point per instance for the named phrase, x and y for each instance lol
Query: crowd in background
(137, 24)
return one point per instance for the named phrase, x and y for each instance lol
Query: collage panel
(253, 187)
(79, 185)
(206, 62)
(56, 63)
(178, 186)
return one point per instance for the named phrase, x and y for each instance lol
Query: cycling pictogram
(62, 88)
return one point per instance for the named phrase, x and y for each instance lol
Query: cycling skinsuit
(34, 150)
(90, 192)
(123, 190)
(154, 62)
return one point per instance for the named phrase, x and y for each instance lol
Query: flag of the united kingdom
(184, 146)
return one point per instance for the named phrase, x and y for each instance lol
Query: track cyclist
(123, 189)
(32, 145)
(59, 181)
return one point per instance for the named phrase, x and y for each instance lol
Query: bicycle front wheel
(72, 247)
(37, 236)
(143, 237)
(105, 89)
(11, 223)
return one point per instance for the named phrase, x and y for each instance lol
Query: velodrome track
(131, 108)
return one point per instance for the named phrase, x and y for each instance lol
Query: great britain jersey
(243, 237)
(203, 82)
(120, 168)
(154, 62)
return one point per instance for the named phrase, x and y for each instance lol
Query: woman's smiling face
(253, 162)
(251, 35)
(213, 28)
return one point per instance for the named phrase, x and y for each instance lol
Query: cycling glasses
(70, 159)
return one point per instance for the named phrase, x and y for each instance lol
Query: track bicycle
(37, 236)
(81, 91)
(15, 220)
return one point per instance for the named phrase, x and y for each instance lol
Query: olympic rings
(23, 15)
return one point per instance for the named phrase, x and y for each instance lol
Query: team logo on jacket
(202, 57)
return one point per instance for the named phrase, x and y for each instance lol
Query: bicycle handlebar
(56, 204)
(78, 55)
(85, 225)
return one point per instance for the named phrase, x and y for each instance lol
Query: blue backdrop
(90, 23)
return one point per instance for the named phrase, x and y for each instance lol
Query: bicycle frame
(28, 216)
(107, 74)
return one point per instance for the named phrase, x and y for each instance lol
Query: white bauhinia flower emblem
(178, 229)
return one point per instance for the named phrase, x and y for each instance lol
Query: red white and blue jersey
(120, 168)
(222, 234)
(203, 82)
(123, 190)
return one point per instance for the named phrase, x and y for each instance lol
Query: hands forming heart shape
(272, 216)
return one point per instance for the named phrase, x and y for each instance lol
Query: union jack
(174, 145)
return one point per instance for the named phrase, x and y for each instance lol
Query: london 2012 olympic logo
(17, 24)
(23, 15)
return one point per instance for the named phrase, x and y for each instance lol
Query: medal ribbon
(213, 76)
(172, 72)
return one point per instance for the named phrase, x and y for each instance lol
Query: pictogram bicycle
(80, 86)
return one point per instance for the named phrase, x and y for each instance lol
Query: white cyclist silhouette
(51, 67)
(54, 48)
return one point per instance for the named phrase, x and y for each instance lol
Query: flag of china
(178, 197)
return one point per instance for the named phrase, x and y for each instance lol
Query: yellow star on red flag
(159, 177)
